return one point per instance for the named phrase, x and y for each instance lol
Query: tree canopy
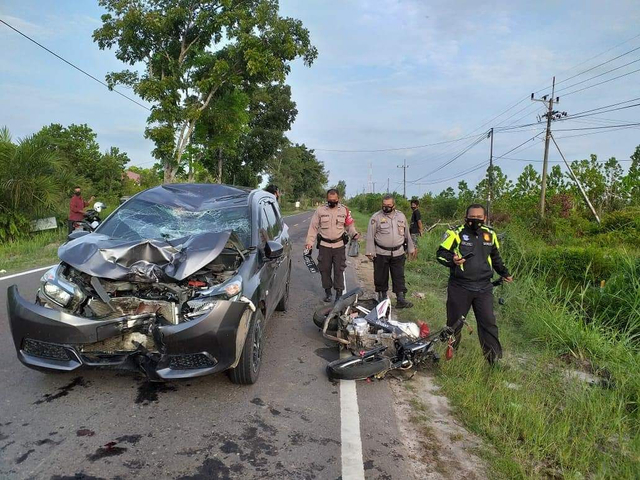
(195, 53)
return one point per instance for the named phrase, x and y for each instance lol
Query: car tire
(284, 301)
(248, 369)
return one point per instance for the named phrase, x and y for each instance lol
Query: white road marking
(351, 443)
(350, 440)
(26, 273)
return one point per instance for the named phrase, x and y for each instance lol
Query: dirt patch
(439, 446)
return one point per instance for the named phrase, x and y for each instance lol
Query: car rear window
(139, 219)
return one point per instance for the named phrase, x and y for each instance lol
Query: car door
(269, 268)
(281, 235)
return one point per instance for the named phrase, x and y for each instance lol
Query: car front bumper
(46, 338)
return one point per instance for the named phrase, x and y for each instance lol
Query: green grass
(540, 422)
(39, 249)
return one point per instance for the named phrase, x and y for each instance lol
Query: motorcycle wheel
(320, 315)
(357, 368)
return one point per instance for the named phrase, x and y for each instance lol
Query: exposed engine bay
(168, 302)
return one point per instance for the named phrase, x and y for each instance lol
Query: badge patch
(487, 237)
(465, 237)
(373, 222)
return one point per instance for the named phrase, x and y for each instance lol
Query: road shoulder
(438, 446)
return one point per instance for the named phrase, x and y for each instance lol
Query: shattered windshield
(139, 219)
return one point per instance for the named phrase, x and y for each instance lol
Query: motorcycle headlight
(57, 294)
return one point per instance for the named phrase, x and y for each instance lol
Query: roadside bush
(12, 226)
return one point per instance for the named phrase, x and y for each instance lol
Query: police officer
(471, 251)
(330, 229)
(388, 242)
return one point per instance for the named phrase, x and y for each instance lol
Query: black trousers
(459, 300)
(70, 225)
(332, 259)
(385, 264)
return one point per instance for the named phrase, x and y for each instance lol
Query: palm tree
(33, 180)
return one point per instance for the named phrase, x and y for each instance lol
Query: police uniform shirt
(388, 230)
(330, 224)
(476, 272)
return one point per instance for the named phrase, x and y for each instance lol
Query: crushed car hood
(146, 260)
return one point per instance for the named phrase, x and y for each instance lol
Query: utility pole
(550, 113)
(404, 167)
(369, 185)
(387, 185)
(573, 175)
(490, 196)
(374, 187)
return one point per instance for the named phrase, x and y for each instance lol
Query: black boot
(382, 296)
(402, 302)
(327, 295)
(338, 294)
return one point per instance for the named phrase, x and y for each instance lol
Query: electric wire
(74, 66)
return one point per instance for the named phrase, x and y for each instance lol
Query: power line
(599, 75)
(599, 65)
(550, 161)
(448, 162)
(74, 66)
(394, 149)
(596, 128)
(600, 83)
(457, 175)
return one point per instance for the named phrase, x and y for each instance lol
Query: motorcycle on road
(377, 343)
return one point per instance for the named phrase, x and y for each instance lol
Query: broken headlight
(57, 289)
(57, 294)
(231, 291)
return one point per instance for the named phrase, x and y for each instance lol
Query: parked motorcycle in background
(91, 219)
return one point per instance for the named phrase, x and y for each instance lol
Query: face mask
(387, 209)
(332, 204)
(474, 223)
(77, 194)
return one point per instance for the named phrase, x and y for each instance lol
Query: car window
(277, 220)
(139, 219)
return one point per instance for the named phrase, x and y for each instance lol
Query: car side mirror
(273, 250)
(77, 234)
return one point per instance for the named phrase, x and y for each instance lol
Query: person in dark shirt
(470, 277)
(274, 190)
(415, 227)
(76, 208)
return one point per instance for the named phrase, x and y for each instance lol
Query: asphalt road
(102, 424)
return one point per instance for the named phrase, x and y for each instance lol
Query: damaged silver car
(177, 282)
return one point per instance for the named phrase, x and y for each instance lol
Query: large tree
(298, 173)
(190, 50)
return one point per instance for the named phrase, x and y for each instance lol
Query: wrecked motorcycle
(377, 343)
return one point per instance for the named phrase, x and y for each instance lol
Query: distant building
(135, 177)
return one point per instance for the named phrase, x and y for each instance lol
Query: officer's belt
(389, 249)
(344, 239)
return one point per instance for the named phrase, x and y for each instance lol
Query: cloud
(25, 26)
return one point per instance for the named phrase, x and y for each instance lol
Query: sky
(390, 74)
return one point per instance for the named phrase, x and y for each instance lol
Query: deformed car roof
(195, 196)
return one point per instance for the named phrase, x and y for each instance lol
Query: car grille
(191, 361)
(45, 350)
(127, 342)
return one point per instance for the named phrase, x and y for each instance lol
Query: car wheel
(284, 301)
(248, 369)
